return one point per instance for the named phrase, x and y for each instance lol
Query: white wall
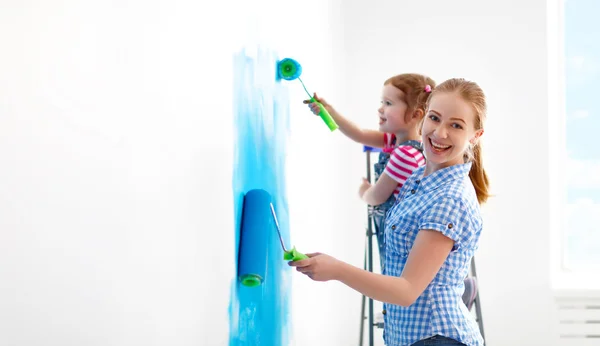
(502, 46)
(115, 187)
(115, 143)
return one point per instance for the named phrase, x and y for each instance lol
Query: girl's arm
(402, 161)
(367, 137)
(430, 250)
(379, 192)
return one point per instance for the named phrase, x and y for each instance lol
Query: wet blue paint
(260, 315)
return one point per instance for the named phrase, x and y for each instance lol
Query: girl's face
(448, 129)
(393, 110)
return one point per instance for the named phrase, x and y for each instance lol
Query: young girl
(402, 108)
(431, 232)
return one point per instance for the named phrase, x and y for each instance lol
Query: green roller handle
(290, 69)
(288, 255)
(293, 255)
(324, 114)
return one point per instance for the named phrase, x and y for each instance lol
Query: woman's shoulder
(460, 190)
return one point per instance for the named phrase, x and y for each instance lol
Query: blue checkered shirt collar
(442, 176)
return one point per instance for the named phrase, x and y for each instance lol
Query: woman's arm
(430, 250)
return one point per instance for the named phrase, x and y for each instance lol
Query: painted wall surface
(260, 315)
(117, 208)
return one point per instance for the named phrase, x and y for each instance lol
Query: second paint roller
(290, 69)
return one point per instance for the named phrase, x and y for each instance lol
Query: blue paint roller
(256, 224)
(258, 220)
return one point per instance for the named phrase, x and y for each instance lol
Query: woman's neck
(429, 169)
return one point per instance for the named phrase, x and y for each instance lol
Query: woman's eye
(433, 117)
(457, 126)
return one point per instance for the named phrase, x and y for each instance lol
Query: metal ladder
(476, 300)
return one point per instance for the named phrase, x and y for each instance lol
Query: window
(575, 140)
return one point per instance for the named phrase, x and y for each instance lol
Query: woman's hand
(318, 267)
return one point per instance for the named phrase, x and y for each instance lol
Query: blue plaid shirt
(444, 201)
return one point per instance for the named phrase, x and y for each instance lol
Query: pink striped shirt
(403, 161)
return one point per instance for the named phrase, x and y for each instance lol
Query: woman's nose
(441, 132)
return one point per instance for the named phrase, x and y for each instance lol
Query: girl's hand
(318, 267)
(363, 187)
(314, 107)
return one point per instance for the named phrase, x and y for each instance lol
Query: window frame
(562, 278)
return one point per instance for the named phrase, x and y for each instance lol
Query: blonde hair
(472, 93)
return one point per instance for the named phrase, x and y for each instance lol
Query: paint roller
(258, 219)
(290, 69)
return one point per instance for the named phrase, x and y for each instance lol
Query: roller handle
(293, 255)
(324, 114)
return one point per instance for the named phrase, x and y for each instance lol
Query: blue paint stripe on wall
(260, 315)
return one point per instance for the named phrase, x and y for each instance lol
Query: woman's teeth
(438, 147)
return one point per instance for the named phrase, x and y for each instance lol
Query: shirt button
(393, 227)
(384, 312)
(418, 181)
(450, 225)
(412, 191)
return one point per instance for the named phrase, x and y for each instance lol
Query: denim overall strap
(415, 144)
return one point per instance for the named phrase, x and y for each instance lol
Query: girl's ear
(418, 114)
